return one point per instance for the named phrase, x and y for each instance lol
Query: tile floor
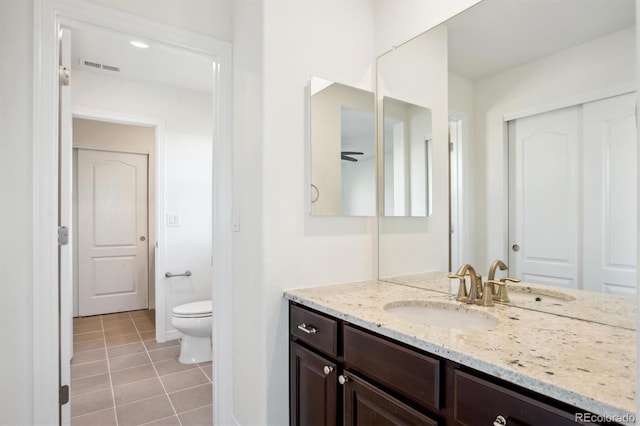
(121, 376)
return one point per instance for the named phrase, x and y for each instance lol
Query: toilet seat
(201, 309)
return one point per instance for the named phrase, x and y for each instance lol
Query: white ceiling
(159, 63)
(495, 35)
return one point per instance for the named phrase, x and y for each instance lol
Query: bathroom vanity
(355, 360)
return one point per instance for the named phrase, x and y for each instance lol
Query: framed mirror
(544, 144)
(407, 157)
(343, 150)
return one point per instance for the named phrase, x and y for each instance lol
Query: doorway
(49, 16)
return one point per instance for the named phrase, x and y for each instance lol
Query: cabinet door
(313, 388)
(366, 405)
(477, 401)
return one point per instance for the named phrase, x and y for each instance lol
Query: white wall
(398, 21)
(417, 73)
(185, 171)
(332, 39)
(16, 211)
(208, 17)
(606, 63)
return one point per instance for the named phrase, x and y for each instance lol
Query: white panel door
(544, 188)
(610, 197)
(112, 232)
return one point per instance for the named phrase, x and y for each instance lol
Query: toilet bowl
(194, 321)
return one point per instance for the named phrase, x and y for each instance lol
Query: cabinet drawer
(477, 401)
(314, 329)
(405, 371)
(366, 405)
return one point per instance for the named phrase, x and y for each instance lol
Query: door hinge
(63, 394)
(450, 146)
(63, 235)
(65, 75)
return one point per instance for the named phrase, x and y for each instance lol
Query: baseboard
(172, 335)
(152, 305)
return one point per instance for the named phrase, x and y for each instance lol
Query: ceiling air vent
(98, 66)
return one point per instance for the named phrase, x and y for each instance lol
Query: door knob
(143, 238)
(515, 247)
(327, 369)
(343, 379)
(500, 421)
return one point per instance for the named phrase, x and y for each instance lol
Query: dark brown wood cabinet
(341, 374)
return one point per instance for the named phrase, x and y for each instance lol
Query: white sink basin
(520, 294)
(438, 314)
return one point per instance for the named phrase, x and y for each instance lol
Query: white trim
(462, 119)
(572, 101)
(159, 125)
(48, 15)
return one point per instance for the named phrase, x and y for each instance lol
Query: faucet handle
(500, 294)
(513, 280)
(462, 287)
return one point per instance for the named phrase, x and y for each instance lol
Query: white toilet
(194, 321)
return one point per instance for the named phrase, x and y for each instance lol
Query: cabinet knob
(500, 421)
(342, 379)
(327, 369)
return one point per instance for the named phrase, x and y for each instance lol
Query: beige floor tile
(88, 356)
(128, 349)
(148, 335)
(198, 417)
(136, 391)
(89, 369)
(120, 331)
(144, 411)
(128, 361)
(86, 320)
(153, 345)
(90, 384)
(85, 328)
(145, 326)
(192, 398)
(88, 346)
(208, 370)
(91, 402)
(118, 324)
(172, 366)
(167, 421)
(184, 379)
(102, 418)
(122, 340)
(130, 375)
(115, 317)
(165, 353)
(145, 313)
(86, 337)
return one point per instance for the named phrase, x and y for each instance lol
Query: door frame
(48, 16)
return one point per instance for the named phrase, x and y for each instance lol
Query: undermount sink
(438, 314)
(524, 294)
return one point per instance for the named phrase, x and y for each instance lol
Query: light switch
(174, 220)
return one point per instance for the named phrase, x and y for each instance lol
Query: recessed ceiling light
(139, 44)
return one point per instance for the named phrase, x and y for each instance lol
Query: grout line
(158, 375)
(113, 396)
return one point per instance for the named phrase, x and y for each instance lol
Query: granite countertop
(586, 364)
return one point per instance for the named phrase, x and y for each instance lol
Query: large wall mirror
(538, 98)
(343, 150)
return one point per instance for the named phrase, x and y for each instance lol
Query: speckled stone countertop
(586, 364)
(607, 309)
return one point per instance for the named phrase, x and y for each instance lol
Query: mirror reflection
(343, 161)
(407, 156)
(544, 156)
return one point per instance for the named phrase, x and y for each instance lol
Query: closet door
(544, 190)
(610, 195)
